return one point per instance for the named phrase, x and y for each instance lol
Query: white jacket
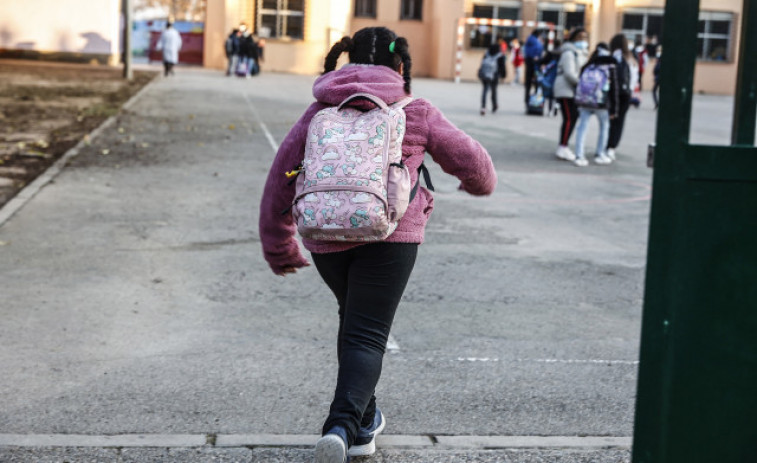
(170, 43)
(568, 70)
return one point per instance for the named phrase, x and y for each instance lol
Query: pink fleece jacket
(427, 130)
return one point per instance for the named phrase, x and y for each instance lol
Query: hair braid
(402, 49)
(370, 45)
(340, 47)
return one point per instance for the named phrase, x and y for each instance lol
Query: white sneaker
(563, 152)
(610, 153)
(330, 449)
(602, 159)
(581, 162)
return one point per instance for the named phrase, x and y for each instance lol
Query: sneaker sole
(369, 448)
(330, 449)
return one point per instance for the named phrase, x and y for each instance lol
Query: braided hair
(371, 45)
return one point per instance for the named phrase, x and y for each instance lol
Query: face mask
(582, 45)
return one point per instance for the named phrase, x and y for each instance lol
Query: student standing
(532, 54)
(232, 51)
(492, 68)
(367, 279)
(573, 56)
(597, 94)
(516, 55)
(626, 85)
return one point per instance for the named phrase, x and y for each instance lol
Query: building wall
(79, 30)
(433, 40)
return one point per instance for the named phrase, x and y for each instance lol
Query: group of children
(583, 84)
(244, 52)
(600, 84)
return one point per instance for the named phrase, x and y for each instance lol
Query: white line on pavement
(267, 132)
(499, 360)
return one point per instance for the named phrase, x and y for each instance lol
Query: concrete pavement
(137, 302)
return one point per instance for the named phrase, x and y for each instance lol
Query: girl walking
(367, 279)
(491, 70)
(573, 56)
(596, 95)
(626, 84)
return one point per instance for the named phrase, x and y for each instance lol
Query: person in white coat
(573, 55)
(170, 43)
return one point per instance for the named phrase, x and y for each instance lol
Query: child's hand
(291, 269)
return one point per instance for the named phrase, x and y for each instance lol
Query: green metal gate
(697, 390)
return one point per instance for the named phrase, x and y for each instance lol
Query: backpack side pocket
(397, 191)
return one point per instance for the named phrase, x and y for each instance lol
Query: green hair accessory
(391, 47)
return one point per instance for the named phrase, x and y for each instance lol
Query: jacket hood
(334, 87)
(568, 46)
(605, 60)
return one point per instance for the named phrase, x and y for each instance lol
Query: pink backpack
(353, 184)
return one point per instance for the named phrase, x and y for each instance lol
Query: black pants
(530, 81)
(616, 125)
(368, 282)
(489, 84)
(569, 112)
(168, 68)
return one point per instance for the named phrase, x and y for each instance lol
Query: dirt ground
(47, 108)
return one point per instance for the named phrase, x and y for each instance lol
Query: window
(483, 36)
(365, 8)
(281, 18)
(639, 23)
(411, 9)
(714, 36)
(565, 16)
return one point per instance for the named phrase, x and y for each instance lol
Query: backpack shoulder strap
(401, 103)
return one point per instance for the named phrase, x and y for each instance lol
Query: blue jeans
(584, 114)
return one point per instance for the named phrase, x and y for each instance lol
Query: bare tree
(177, 9)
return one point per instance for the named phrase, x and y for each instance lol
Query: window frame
(510, 31)
(708, 17)
(706, 36)
(367, 5)
(631, 34)
(413, 14)
(562, 12)
(281, 12)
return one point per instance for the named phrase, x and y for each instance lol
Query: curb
(29, 191)
(307, 440)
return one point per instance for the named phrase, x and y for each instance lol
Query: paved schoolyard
(137, 303)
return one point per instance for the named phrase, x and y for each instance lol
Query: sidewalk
(140, 322)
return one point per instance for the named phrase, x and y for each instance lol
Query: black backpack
(624, 78)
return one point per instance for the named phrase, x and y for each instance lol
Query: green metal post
(697, 388)
(673, 125)
(745, 104)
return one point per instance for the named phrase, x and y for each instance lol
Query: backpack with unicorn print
(352, 183)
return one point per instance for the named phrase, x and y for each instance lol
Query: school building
(298, 33)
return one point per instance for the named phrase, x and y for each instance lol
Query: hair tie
(391, 47)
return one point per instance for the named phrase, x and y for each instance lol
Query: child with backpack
(597, 94)
(546, 73)
(573, 55)
(326, 172)
(491, 70)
